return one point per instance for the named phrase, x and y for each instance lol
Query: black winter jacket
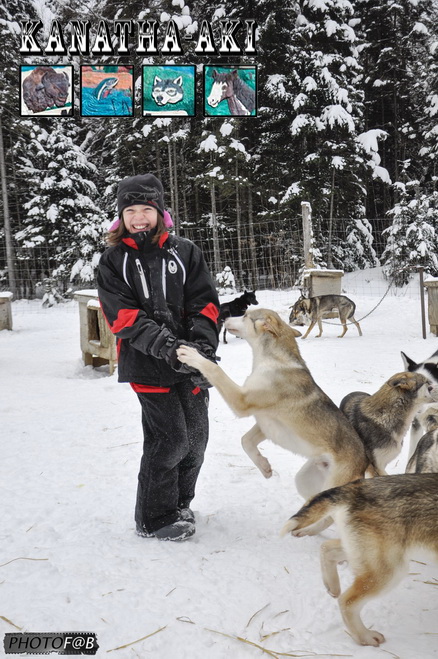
(147, 291)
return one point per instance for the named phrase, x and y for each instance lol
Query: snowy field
(71, 561)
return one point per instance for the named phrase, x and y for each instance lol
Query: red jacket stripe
(125, 318)
(211, 311)
(147, 389)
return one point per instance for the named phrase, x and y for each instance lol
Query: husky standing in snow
(383, 522)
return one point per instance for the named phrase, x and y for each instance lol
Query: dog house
(98, 343)
(323, 282)
(6, 310)
(432, 303)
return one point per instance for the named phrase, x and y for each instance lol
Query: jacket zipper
(142, 278)
(163, 277)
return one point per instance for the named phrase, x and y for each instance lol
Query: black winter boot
(179, 530)
(187, 514)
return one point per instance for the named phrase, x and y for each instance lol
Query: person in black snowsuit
(156, 293)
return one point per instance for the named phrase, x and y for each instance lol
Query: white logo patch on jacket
(172, 267)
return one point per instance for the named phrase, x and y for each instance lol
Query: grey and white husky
(425, 457)
(167, 91)
(315, 307)
(429, 368)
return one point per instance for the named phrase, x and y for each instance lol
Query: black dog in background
(236, 307)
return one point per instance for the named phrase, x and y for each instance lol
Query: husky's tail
(320, 507)
(352, 310)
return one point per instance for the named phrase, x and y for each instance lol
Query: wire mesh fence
(260, 255)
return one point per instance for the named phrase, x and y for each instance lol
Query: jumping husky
(382, 523)
(316, 307)
(289, 407)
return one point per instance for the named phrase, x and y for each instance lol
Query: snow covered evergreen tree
(357, 252)
(225, 281)
(62, 211)
(428, 147)
(315, 100)
(412, 240)
(394, 52)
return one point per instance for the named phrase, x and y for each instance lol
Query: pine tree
(412, 239)
(393, 53)
(62, 212)
(428, 147)
(357, 252)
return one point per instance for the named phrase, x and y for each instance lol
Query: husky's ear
(403, 381)
(294, 331)
(270, 324)
(430, 419)
(178, 81)
(409, 363)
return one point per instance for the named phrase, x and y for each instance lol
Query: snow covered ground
(71, 561)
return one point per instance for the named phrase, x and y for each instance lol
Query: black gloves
(208, 352)
(165, 346)
(171, 358)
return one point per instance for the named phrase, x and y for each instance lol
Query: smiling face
(139, 217)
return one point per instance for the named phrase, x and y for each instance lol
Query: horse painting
(229, 87)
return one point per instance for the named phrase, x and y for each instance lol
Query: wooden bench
(98, 343)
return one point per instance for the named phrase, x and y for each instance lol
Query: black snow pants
(175, 429)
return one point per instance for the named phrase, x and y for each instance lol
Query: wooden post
(432, 303)
(423, 312)
(7, 223)
(306, 210)
(5, 311)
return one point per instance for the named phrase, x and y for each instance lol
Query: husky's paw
(333, 592)
(370, 637)
(190, 356)
(332, 583)
(289, 527)
(265, 467)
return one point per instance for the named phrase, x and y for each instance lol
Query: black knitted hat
(141, 189)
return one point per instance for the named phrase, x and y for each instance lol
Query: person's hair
(115, 237)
